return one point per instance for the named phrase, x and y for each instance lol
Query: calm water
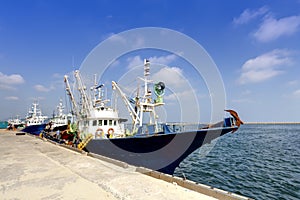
(258, 161)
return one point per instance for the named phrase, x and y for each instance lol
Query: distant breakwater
(279, 123)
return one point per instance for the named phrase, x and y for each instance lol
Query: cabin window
(99, 122)
(110, 122)
(105, 122)
(95, 123)
(115, 122)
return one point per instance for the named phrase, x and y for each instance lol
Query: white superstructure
(93, 115)
(16, 122)
(60, 118)
(35, 116)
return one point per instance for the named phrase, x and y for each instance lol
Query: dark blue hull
(34, 129)
(161, 152)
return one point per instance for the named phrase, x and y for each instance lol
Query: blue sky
(255, 45)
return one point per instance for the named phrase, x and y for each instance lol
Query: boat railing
(149, 129)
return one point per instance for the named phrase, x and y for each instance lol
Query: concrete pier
(32, 168)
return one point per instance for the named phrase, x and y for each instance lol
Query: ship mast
(146, 74)
(146, 103)
(143, 104)
(60, 109)
(98, 101)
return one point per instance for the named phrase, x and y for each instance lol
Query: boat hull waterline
(34, 129)
(161, 152)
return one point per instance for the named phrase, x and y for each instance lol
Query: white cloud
(134, 42)
(137, 41)
(264, 66)
(271, 28)
(171, 76)
(249, 15)
(12, 98)
(13, 79)
(162, 60)
(134, 62)
(179, 95)
(296, 93)
(41, 88)
(7, 82)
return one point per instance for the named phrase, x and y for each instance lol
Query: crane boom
(131, 110)
(86, 103)
(70, 94)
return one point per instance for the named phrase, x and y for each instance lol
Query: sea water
(257, 161)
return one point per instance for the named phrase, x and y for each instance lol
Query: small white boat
(16, 123)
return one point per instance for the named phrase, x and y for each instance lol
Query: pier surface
(31, 168)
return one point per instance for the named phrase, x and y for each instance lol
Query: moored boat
(35, 121)
(60, 120)
(15, 123)
(151, 145)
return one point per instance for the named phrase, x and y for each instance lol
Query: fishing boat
(35, 121)
(60, 120)
(16, 123)
(147, 144)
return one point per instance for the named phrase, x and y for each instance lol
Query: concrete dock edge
(198, 187)
(125, 177)
(110, 160)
